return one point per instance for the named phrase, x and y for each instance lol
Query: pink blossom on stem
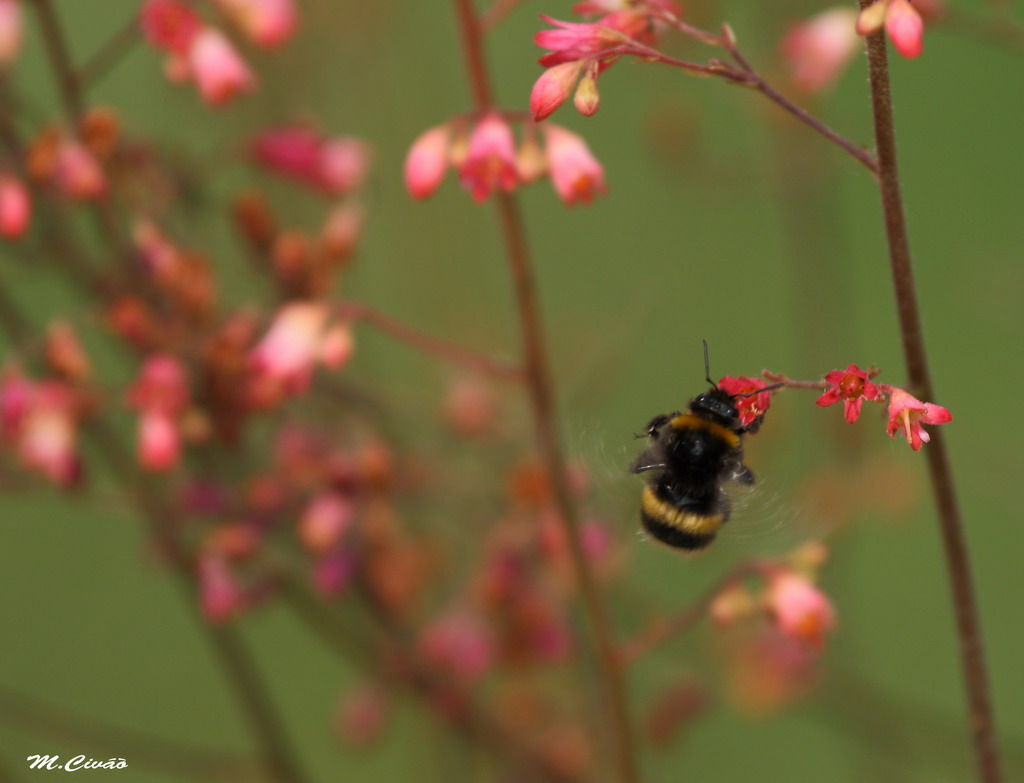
(15, 207)
(491, 159)
(799, 608)
(325, 520)
(852, 387)
(170, 25)
(579, 40)
(48, 434)
(552, 89)
(908, 413)
(819, 49)
(220, 595)
(427, 161)
(332, 166)
(16, 395)
(267, 23)
(159, 440)
(461, 642)
(337, 346)
(290, 349)
(575, 173)
(76, 173)
(901, 21)
(343, 164)
(218, 69)
(12, 29)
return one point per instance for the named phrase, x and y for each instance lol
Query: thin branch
(982, 724)
(540, 388)
(108, 55)
(449, 352)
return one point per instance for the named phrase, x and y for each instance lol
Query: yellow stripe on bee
(688, 421)
(687, 521)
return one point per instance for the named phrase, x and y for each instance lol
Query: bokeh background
(724, 220)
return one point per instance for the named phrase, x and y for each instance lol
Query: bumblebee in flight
(689, 457)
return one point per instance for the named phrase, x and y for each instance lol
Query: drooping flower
(575, 173)
(333, 166)
(908, 413)
(553, 87)
(902, 22)
(750, 403)
(160, 393)
(461, 643)
(818, 49)
(325, 520)
(48, 433)
(15, 207)
(852, 387)
(12, 28)
(427, 161)
(170, 25)
(76, 173)
(219, 71)
(290, 349)
(267, 23)
(490, 161)
(800, 610)
(220, 595)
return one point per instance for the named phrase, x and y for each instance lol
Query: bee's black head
(717, 405)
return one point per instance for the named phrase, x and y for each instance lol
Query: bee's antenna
(773, 387)
(707, 366)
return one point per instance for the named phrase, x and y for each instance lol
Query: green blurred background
(724, 220)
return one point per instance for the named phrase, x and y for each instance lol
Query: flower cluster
(906, 412)
(201, 53)
(578, 52)
(485, 155)
(332, 166)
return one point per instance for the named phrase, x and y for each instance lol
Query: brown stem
(540, 389)
(109, 54)
(982, 724)
(449, 352)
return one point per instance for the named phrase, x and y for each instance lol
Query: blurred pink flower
(76, 173)
(220, 595)
(490, 162)
(159, 440)
(170, 25)
(290, 349)
(819, 49)
(218, 69)
(334, 166)
(460, 642)
(11, 31)
(325, 520)
(267, 23)
(427, 161)
(48, 434)
(575, 173)
(799, 608)
(161, 385)
(15, 207)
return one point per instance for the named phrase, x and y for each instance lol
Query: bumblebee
(689, 456)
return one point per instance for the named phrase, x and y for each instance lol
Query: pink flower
(159, 440)
(219, 71)
(170, 25)
(427, 161)
(908, 413)
(460, 642)
(581, 40)
(332, 166)
(800, 609)
(751, 407)
(819, 49)
(267, 23)
(48, 434)
(337, 346)
(161, 385)
(575, 173)
(15, 207)
(76, 173)
(333, 572)
(901, 21)
(12, 30)
(16, 395)
(291, 347)
(491, 159)
(325, 520)
(852, 387)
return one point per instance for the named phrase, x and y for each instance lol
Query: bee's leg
(646, 461)
(655, 424)
(742, 474)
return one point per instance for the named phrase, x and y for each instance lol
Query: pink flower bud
(460, 642)
(342, 165)
(819, 49)
(905, 28)
(871, 19)
(267, 23)
(11, 31)
(159, 440)
(587, 98)
(427, 161)
(552, 89)
(220, 595)
(15, 207)
(169, 25)
(575, 172)
(219, 71)
(491, 161)
(337, 347)
(48, 434)
(16, 396)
